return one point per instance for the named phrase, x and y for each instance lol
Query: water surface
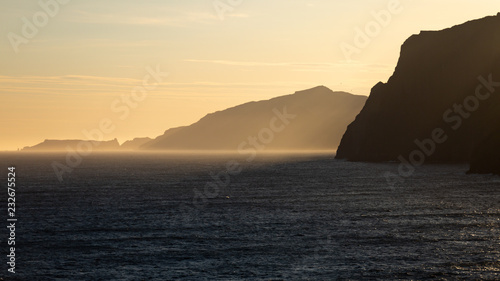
(149, 217)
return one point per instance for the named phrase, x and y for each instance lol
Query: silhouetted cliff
(75, 145)
(313, 119)
(442, 100)
(486, 156)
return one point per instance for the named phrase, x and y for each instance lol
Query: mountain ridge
(245, 120)
(227, 129)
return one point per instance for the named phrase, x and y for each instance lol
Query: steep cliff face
(443, 98)
(313, 119)
(486, 156)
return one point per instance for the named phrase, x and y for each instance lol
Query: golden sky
(68, 65)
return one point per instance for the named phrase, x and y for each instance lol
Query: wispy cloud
(171, 18)
(66, 84)
(294, 66)
(249, 63)
(121, 19)
(81, 85)
(65, 79)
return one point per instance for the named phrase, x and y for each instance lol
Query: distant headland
(313, 119)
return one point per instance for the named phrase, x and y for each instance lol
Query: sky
(69, 67)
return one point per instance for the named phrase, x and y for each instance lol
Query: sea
(200, 216)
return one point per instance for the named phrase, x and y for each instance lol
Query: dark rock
(437, 72)
(486, 156)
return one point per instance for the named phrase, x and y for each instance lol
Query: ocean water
(201, 217)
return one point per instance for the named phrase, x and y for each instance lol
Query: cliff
(62, 145)
(486, 156)
(313, 119)
(441, 102)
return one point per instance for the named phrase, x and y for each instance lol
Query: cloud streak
(81, 85)
(293, 65)
(170, 18)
